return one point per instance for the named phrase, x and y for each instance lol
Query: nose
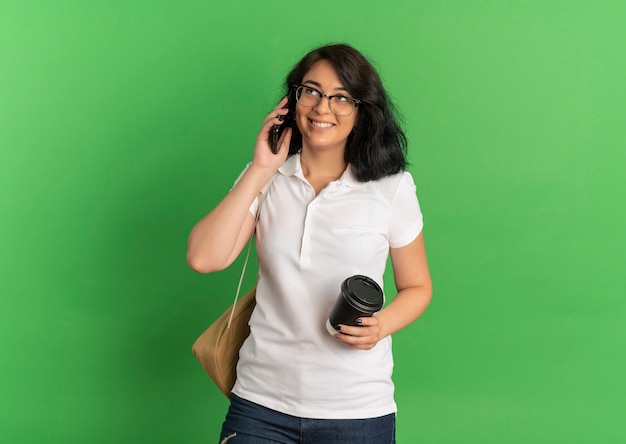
(323, 106)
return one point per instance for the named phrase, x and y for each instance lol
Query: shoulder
(395, 183)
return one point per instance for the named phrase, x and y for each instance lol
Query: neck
(321, 168)
(323, 165)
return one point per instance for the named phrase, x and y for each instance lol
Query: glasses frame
(355, 102)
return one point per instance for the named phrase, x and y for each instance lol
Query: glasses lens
(307, 96)
(342, 106)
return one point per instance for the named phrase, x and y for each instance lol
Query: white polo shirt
(307, 246)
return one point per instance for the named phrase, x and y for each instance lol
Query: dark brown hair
(377, 146)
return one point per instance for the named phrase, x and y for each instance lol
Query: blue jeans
(250, 423)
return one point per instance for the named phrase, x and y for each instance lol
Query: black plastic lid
(363, 292)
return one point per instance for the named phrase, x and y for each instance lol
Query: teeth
(321, 124)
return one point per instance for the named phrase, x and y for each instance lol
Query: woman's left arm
(410, 270)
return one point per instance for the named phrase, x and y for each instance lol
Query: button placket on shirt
(305, 250)
(305, 242)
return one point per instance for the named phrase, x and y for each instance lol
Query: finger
(358, 342)
(276, 117)
(280, 111)
(283, 102)
(348, 330)
(271, 119)
(358, 331)
(367, 321)
(280, 114)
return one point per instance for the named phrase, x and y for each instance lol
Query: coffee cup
(360, 296)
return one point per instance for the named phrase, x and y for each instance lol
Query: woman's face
(320, 127)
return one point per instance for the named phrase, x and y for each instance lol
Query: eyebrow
(313, 82)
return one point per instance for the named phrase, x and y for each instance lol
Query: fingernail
(338, 328)
(359, 321)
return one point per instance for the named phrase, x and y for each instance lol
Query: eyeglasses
(340, 105)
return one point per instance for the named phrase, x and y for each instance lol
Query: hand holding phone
(286, 121)
(275, 135)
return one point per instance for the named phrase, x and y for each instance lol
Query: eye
(311, 92)
(342, 99)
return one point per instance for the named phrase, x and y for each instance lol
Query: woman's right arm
(218, 238)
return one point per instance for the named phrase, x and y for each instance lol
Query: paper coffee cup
(360, 296)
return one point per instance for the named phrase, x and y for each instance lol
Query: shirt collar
(292, 167)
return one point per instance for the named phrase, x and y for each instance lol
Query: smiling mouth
(321, 124)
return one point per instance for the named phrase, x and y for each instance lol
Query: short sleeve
(406, 216)
(255, 203)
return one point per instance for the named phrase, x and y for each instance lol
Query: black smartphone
(277, 130)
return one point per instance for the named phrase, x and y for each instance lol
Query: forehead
(324, 74)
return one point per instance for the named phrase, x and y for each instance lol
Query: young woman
(340, 204)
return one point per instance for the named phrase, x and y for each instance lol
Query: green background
(123, 122)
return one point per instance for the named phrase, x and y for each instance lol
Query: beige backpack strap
(245, 263)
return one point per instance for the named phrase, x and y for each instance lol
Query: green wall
(123, 122)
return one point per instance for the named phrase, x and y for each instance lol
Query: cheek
(349, 122)
(301, 120)
(296, 118)
(355, 118)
